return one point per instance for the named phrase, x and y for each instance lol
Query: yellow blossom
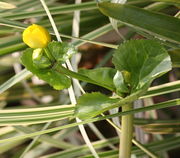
(36, 36)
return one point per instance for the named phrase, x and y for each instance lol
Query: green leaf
(4, 5)
(102, 75)
(162, 128)
(162, 26)
(61, 51)
(145, 60)
(166, 144)
(60, 9)
(169, 104)
(12, 48)
(15, 79)
(56, 80)
(92, 104)
(40, 59)
(35, 115)
(163, 89)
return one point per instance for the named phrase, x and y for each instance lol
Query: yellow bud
(36, 36)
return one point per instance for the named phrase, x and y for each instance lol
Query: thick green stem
(59, 68)
(126, 134)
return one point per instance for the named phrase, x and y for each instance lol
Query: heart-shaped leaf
(145, 60)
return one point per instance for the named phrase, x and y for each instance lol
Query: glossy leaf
(100, 75)
(56, 80)
(61, 51)
(40, 59)
(160, 25)
(145, 60)
(92, 104)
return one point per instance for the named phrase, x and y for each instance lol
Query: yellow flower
(36, 36)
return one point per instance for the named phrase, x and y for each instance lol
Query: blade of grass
(170, 103)
(15, 79)
(166, 144)
(54, 11)
(163, 89)
(160, 25)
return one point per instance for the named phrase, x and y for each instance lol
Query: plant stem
(127, 133)
(49, 55)
(59, 68)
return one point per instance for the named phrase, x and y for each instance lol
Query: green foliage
(40, 60)
(56, 80)
(61, 51)
(162, 128)
(160, 25)
(144, 23)
(140, 61)
(145, 60)
(103, 76)
(92, 104)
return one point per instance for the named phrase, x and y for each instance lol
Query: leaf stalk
(59, 68)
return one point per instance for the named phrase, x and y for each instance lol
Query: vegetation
(89, 79)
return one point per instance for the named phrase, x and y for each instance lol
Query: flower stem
(49, 55)
(127, 133)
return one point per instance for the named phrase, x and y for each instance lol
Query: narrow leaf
(153, 107)
(4, 5)
(162, 26)
(15, 79)
(162, 128)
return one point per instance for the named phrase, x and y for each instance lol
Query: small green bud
(121, 87)
(126, 76)
(40, 60)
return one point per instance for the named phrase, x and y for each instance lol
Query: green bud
(126, 76)
(121, 87)
(40, 60)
